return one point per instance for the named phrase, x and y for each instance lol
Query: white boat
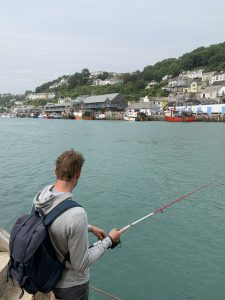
(5, 115)
(52, 116)
(130, 116)
(100, 117)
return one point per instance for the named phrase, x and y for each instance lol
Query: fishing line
(104, 293)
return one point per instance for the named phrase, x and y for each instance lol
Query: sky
(45, 39)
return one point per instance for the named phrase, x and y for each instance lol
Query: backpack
(33, 263)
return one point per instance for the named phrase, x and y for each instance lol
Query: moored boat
(100, 116)
(130, 116)
(86, 115)
(52, 116)
(179, 116)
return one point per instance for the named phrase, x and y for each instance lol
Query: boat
(78, 115)
(130, 116)
(100, 116)
(52, 116)
(86, 115)
(8, 115)
(174, 115)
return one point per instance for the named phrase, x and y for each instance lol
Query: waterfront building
(147, 108)
(26, 111)
(207, 109)
(60, 108)
(113, 102)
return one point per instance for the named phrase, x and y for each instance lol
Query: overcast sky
(44, 39)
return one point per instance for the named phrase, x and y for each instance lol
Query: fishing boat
(86, 115)
(174, 115)
(78, 115)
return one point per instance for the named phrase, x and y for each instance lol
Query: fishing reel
(115, 244)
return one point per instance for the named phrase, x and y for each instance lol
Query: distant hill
(210, 58)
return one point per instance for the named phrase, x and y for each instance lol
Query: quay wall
(198, 118)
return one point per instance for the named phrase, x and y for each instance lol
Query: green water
(130, 170)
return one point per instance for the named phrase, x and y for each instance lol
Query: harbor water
(131, 169)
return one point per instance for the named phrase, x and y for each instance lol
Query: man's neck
(64, 186)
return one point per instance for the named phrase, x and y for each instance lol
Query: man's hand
(115, 234)
(100, 233)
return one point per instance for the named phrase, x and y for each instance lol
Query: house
(36, 96)
(221, 92)
(195, 87)
(113, 102)
(217, 77)
(207, 77)
(180, 81)
(110, 81)
(96, 73)
(62, 82)
(151, 84)
(195, 74)
(160, 101)
(166, 77)
(212, 92)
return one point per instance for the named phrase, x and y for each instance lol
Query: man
(69, 232)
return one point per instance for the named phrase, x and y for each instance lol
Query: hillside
(210, 58)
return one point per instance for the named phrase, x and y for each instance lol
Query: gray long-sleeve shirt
(69, 233)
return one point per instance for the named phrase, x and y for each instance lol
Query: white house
(195, 74)
(151, 84)
(35, 96)
(63, 81)
(110, 81)
(207, 77)
(219, 76)
(166, 77)
(144, 99)
(159, 101)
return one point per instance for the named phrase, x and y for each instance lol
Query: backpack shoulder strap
(58, 210)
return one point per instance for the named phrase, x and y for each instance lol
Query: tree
(103, 76)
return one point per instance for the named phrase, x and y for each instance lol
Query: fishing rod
(161, 209)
